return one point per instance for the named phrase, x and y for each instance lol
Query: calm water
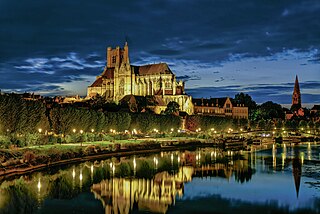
(280, 180)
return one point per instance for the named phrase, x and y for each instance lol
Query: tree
(262, 124)
(303, 124)
(247, 100)
(270, 110)
(172, 108)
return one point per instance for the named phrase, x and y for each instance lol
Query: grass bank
(24, 160)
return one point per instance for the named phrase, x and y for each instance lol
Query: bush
(29, 157)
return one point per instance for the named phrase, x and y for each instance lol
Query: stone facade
(120, 78)
(223, 107)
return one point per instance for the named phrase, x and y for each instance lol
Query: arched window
(121, 87)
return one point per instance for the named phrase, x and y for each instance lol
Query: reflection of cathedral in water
(121, 195)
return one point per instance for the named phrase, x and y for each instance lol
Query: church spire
(296, 96)
(296, 86)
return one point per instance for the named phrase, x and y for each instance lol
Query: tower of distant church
(296, 96)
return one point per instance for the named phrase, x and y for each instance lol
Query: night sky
(219, 47)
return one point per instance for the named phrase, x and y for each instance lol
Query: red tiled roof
(108, 73)
(97, 83)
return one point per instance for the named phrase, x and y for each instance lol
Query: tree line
(22, 116)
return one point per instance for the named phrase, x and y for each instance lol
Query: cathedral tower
(296, 96)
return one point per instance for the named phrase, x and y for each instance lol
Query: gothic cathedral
(120, 79)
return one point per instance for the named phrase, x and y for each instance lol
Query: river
(280, 180)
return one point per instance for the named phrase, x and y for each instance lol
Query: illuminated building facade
(120, 79)
(223, 107)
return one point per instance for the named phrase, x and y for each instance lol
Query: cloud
(248, 43)
(46, 75)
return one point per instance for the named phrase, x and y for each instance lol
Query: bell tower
(118, 59)
(296, 96)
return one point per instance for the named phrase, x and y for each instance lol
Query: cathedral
(120, 79)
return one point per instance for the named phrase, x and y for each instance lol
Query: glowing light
(134, 163)
(155, 160)
(302, 157)
(39, 185)
(80, 176)
(73, 173)
(81, 131)
(40, 130)
(172, 129)
(241, 129)
(74, 130)
(92, 130)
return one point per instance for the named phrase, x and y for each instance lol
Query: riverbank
(28, 160)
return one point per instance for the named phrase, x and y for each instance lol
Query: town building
(119, 79)
(223, 107)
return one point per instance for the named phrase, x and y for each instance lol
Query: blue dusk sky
(219, 47)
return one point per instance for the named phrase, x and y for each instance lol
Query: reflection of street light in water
(309, 151)
(284, 150)
(80, 178)
(39, 195)
(91, 170)
(39, 185)
(134, 166)
(283, 155)
(155, 160)
(302, 157)
(73, 177)
(274, 158)
(113, 168)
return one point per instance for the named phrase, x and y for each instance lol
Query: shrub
(29, 157)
